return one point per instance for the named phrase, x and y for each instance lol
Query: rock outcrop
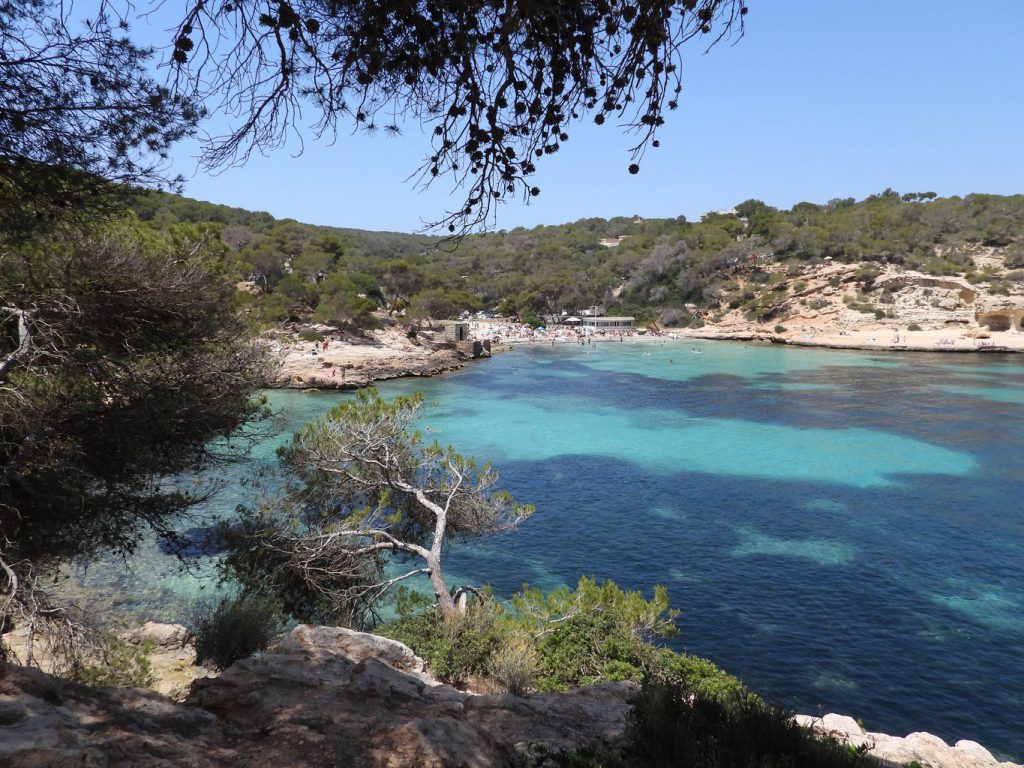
(325, 696)
(322, 696)
(169, 649)
(927, 750)
(172, 657)
(380, 355)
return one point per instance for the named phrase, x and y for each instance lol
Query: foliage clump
(115, 662)
(457, 648)
(234, 629)
(671, 724)
(556, 642)
(360, 489)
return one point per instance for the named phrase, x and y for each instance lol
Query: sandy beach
(351, 362)
(940, 340)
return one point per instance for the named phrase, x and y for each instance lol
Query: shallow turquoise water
(842, 530)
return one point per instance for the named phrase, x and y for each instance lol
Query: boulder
(164, 636)
(924, 748)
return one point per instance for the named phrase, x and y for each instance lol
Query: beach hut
(456, 331)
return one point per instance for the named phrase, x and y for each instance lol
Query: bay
(842, 530)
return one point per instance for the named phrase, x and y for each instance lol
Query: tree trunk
(441, 591)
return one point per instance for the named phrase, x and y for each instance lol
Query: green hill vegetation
(655, 268)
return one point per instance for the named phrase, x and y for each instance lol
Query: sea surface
(842, 530)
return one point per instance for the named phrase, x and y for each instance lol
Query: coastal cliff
(333, 696)
(864, 305)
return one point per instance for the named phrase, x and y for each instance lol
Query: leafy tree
(121, 358)
(361, 485)
(1015, 256)
(497, 83)
(120, 353)
(343, 306)
(77, 109)
(438, 304)
(401, 280)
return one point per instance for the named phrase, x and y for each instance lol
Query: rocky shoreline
(922, 314)
(328, 695)
(352, 362)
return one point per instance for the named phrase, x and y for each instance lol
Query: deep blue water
(844, 531)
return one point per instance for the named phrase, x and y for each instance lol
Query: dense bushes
(341, 276)
(234, 629)
(689, 712)
(596, 633)
(455, 650)
(671, 724)
(114, 662)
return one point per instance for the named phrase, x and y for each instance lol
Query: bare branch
(364, 486)
(497, 84)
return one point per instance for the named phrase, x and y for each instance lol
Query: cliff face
(852, 297)
(326, 696)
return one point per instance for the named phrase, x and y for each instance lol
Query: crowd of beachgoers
(938, 340)
(498, 331)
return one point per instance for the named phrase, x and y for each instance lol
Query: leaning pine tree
(363, 494)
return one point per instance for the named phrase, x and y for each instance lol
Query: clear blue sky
(840, 98)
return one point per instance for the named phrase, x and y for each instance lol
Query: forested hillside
(657, 267)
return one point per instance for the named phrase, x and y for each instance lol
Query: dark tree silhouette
(497, 83)
(77, 110)
(121, 358)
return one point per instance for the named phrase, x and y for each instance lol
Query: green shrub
(861, 306)
(780, 328)
(835, 281)
(913, 327)
(309, 334)
(698, 675)
(514, 664)
(454, 649)
(1015, 256)
(879, 314)
(234, 629)
(868, 272)
(671, 725)
(596, 633)
(999, 288)
(117, 663)
(942, 267)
